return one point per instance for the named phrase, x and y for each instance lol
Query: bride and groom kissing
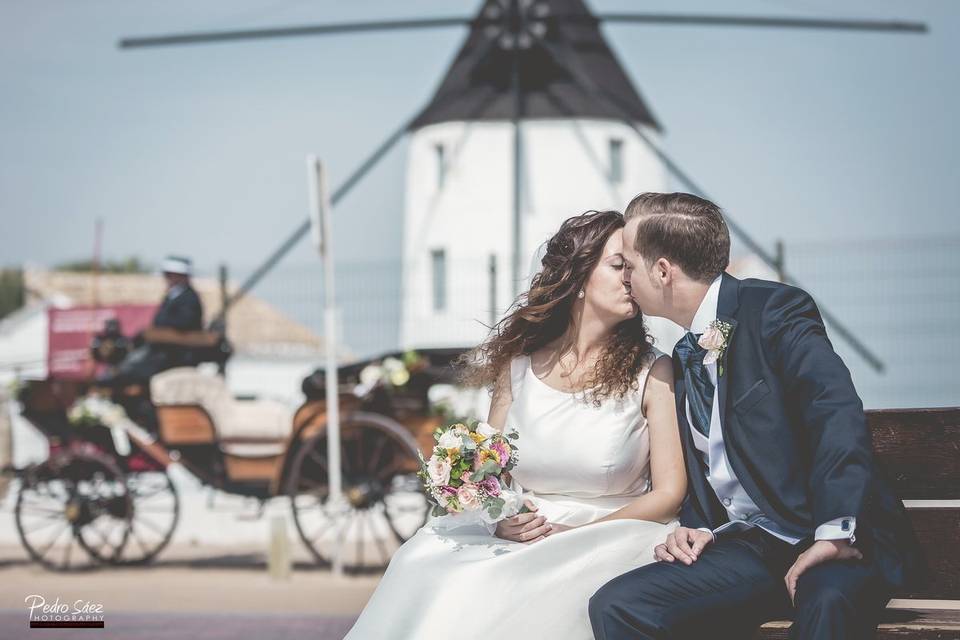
(694, 495)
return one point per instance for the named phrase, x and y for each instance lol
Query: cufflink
(845, 525)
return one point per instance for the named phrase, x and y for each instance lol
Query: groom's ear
(663, 270)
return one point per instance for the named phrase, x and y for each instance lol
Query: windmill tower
(490, 176)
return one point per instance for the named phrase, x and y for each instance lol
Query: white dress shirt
(741, 509)
(175, 290)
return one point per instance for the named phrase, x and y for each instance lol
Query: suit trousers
(736, 585)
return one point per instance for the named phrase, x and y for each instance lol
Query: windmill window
(438, 261)
(440, 154)
(616, 160)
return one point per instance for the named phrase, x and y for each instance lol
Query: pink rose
(439, 470)
(503, 451)
(468, 496)
(712, 339)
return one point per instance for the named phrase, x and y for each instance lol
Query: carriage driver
(181, 310)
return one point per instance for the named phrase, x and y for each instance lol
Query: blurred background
(832, 150)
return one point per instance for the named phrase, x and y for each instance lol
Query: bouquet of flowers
(467, 472)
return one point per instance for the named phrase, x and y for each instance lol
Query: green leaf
(486, 469)
(438, 511)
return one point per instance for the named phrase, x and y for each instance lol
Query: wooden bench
(920, 451)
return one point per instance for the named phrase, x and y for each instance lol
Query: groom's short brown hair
(685, 229)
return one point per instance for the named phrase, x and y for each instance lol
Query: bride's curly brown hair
(542, 314)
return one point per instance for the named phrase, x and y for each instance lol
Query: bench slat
(923, 624)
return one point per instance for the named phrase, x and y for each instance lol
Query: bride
(600, 463)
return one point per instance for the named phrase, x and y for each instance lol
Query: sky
(798, 134)
(819, 138)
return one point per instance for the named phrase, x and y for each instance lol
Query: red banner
(69, 332)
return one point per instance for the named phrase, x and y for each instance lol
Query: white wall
(566, 172)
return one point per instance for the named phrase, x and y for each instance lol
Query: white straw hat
(176, 264)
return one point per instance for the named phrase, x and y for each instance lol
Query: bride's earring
(581, 294)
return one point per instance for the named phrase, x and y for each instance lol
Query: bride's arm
(668, 475)
(501, 401)
(524, 527)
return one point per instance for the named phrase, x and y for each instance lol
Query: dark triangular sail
(479, 83)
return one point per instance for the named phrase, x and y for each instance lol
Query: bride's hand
(524, 527)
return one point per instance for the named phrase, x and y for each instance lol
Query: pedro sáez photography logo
(77, 614)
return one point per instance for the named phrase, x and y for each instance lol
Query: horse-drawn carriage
(106, 489)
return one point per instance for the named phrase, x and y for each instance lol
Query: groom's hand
(820, 551)
(683, 544)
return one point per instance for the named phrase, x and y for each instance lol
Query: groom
(786, 514)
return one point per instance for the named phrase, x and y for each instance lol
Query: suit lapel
(728, 302)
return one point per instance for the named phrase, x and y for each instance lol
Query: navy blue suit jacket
(183, 312)
(794, 429)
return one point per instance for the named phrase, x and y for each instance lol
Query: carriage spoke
(389, 470)
(151, 525)
(381, 545)
(378, 454)
(136, 536)
(66, 555)
(54, 539)
(319, 458)
(361, 542)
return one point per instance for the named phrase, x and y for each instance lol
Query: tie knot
(689, 349)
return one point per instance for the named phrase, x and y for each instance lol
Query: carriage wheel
(75, 498)
(385, 500)
(153, 518)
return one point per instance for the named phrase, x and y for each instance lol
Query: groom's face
(638, 275)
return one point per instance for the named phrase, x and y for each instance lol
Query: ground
(202, 593)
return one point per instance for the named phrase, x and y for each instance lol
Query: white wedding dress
(578, 463)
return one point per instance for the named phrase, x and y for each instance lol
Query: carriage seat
(243, 427)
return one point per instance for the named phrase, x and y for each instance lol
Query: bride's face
(606, 293)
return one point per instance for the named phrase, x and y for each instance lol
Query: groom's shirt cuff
(710, 531)
(837, 529)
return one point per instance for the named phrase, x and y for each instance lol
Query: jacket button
(727, 502)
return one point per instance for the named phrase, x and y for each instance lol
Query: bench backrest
(920, 451)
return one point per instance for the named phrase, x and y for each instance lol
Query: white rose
(450, 440)
(512, 501)
(370, 375)
(392, 364)
(439, 470)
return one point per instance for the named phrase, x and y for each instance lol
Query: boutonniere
(715, 340)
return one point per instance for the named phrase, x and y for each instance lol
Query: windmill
(524, 62)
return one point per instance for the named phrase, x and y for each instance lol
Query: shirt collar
(707, 311)
(175, 290)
